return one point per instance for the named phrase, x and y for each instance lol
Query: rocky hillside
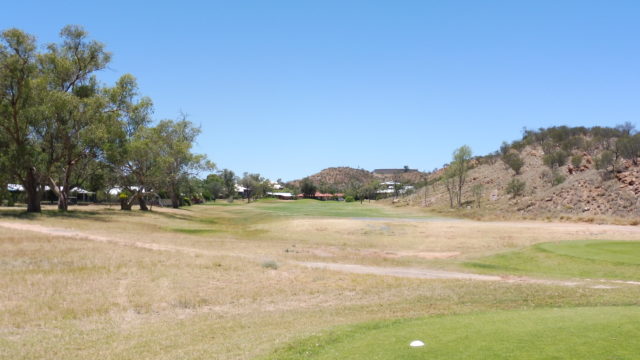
(338, 179)
(579, 172)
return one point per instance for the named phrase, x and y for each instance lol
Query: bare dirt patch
(421, 273)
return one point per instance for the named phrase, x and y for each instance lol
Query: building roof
(15, 187)
(321, 195)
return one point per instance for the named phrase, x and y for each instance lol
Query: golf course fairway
(562, 333)
(593, 259)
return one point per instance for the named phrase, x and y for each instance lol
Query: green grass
(623, 252)
(567, 333)
(196, 231)
(307, 207)
(584, 259)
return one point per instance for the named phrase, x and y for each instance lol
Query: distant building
(321, 196)
(282, 195)
(393, 171)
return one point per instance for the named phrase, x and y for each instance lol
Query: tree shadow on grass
(46, 213)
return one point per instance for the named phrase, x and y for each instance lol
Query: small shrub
(576, 161)
(186, 201)
(557, 179)
(605, 160)
(556, 158)
(349, 199)
(270, 264)
(516, 187)
(477, 190)
(514, 161)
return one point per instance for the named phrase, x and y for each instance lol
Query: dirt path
(404, 272)
(103, 239)
(421, 273)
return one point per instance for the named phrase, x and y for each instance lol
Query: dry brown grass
(72, 298)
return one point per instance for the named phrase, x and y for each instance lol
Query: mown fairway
(583, 259)
(573, 333)
(200, 283)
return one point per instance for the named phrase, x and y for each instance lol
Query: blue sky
(287, 88)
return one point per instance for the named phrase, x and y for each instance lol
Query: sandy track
(80, 235)
(421, 273)
(404, 272)
(399, 271)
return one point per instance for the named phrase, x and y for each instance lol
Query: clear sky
(287, 88)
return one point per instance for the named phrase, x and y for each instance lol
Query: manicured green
(567, 333)
(583, 259)
(624, 252)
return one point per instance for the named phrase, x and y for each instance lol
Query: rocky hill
(566, 171)
(339, 179)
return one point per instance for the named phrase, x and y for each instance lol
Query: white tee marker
(416, 343)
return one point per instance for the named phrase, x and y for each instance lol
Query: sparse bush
(516, 187)
(270, 264)
(518, 145)
(605, 160)
(514, 161)
(504, 148)
(349, 199)
(477, 190)
(555, 158)
(576, 161)
(557, 179)
(186, 201)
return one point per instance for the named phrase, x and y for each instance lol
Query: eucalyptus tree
(132, 155)
(73, 122)
(176, 162)
(455, 175)
(17, 72)
(229, 183)
(214, 186)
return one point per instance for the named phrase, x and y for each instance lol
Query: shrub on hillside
(270, 264)
(576, 161)
(557, 179)
(605, 160)
(555, 158)
(516, 187)
(514, 161)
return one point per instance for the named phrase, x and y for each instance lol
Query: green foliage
(456, 174)
(91, 134)
(504, 148)
(270, 264)
(576, 161)
(349, 199)
(557, 178)
(186, 201)
(629, 147)
(518, 145)
(514, 161)
(516, 187)
(605, 160)
(228, 182)
(555, 159)
(307, 187)
(477, 190)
